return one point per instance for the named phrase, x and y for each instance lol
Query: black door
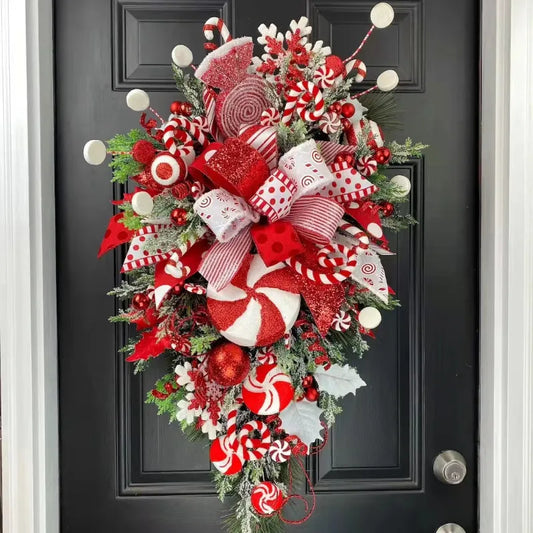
(123, 468)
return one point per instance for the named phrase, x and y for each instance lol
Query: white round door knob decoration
(402, 183)
(382, 15)
(369, 317)
(388, 80)
(167, 170)
(138, 100)
(182, 55)
(142, 203)
(94, 152)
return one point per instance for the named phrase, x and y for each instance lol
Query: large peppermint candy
(267, 391)
(267, 498)
(224, 457)
(259, 305)
(280, 451)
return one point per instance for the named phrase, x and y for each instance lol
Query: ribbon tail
(224, 259)
(316, 218)
(369, 273)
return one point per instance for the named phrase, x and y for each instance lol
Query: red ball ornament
(140, 301)
(348, 110)
(143, 152)
(307, 382)
(336, 64)
(382, 156)
(346, 124)
(387, 209)
(337, 107)
(228, 364)
(176, 107)
(178, 287)
(178, 216)
(267, 498)
(311, 394)
(186, 109)
(349, 159)
(339, 158)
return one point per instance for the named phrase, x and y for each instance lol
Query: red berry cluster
(346, 110)
(178, 216)
(310, 387)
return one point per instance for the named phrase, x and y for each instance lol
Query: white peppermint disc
(388, 80)
(182, 55)
(369, 317)
(94, 152)
(382, 15)
(142, 203)
(138, 100)
(280, 451)
(403, 183)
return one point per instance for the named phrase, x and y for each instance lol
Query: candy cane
(300, 97)
(215, 23)
(192, 128)
(231, 430)
(246, 447)
(347, 265)
(359, 67)
(363, 242)
(169, 140)
(193, 288)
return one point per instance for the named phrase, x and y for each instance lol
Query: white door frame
(27, 269)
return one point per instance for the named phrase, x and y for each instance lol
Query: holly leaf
(303, 420)
(338, 380)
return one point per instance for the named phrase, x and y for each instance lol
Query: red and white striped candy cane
(212, 24)
(193, 288)
(270, 117)
(247, 448)
(324, 77)
(300, 97)
(347, 265)
(231, 426)
(192, 128)
(363, 242)
(169, 139)
(359, 67)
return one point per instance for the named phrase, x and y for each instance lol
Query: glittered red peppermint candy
(280, 451)
(366, 165)
(224, 458)
(259, 305)
(342, 321)
(267, 390)
(267, 498)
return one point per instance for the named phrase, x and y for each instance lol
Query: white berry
(138, 100)
(182, 55)
(382, 15)
(369, 317)
(403, 185)
(94, 152)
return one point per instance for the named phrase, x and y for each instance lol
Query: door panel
(123, 468)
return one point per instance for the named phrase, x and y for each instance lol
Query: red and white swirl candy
(307, 100)
(280, 451)
(342, 321)
(267, 390)
(224, 457)
(270, 117)
(324, 77)
(266, 498)
(266, 356)
(366, 165)
(330, 122)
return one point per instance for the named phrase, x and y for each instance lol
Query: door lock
(450, 467)
(450, 528)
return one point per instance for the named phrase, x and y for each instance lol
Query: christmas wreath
(255, 232)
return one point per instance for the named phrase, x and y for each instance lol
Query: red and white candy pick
(259, 305)
(342, 321)
(224, 458)
(267, 390)
(366, 165)
(330, 122)
(280, 451)
(267, 498)
(167, 169)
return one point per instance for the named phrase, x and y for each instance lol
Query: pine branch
(191, 87)
(401, 153)
(382, 108)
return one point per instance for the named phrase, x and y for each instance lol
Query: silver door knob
(450, 528)
(450, 467)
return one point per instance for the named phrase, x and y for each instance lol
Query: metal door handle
(450, 528)
(450, 467)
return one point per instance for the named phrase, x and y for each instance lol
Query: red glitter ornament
(140, 301)
(387, 209)
(175, 107)
(382, 156)
(228, 364)
(143, 152)
(348, 110)
(178, 216)
(336, 64)
(311, 394)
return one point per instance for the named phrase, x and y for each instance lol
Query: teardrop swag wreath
(255, 231)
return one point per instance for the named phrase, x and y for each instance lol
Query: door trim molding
(30, 495)
(506, 317)
(27, 270)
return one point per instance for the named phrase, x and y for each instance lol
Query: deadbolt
(450, 468)
(450, 528)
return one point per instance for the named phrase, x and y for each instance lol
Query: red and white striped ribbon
(299, 98)
(212, 24)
